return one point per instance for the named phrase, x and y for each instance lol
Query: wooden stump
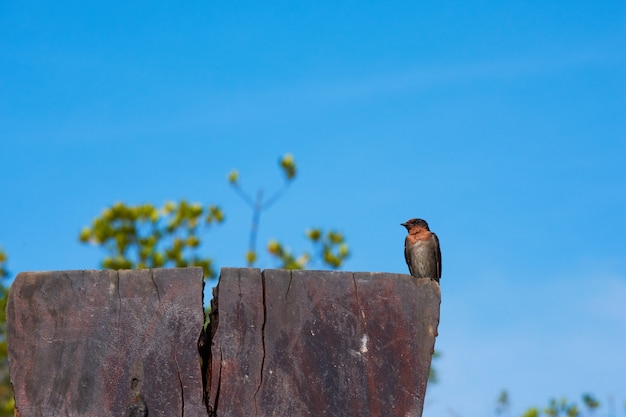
(301, 343)
(106, 343)
(313, 343)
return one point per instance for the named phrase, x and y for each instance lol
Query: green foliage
(233, 177)
(6, 391)
(531, 412)
(330, 248)
(561, 407)
(3, 269)
(287, 259)
(250, 257)
(433, 376)
(260, 204)
(590, 402)
(288, 165)
(564, 408)
(145, 236)
(503, 403)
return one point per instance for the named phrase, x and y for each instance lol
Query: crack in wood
(180, 383)
(205, 363)
(361, 313)
(289, 286)
(213, 410)
(207, 356)
(155, 285)
(256, 403)
(363, 356)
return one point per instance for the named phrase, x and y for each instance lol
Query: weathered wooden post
(315, 343)
(106, 343)
(280, 343)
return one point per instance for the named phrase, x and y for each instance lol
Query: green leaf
(531, 412)
(590, 402)
(147, 236)
(250, 257)
(233, 176)
(288, 165)
(274, 247)
(314, 234)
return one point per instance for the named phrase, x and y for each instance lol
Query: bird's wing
(406, 255)
(437, 254)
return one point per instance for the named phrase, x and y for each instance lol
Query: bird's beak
(403, 224)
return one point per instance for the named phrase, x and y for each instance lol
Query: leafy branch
(258, 204)
(3, 261)
(6, 392)
(329, 247)
(555, 408)
(144, 236)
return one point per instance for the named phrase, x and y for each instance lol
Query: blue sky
(501, 123)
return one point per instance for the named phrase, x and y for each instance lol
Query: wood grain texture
(106, 343)
(237, 353)
(320, 343)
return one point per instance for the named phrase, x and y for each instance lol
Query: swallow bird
(421, 250)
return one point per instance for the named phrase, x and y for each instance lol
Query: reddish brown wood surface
(312, 343)
(106, 343)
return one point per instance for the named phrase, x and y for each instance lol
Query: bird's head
(415, 224)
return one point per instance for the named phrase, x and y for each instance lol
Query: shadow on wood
(106, 343)
(300, 343)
